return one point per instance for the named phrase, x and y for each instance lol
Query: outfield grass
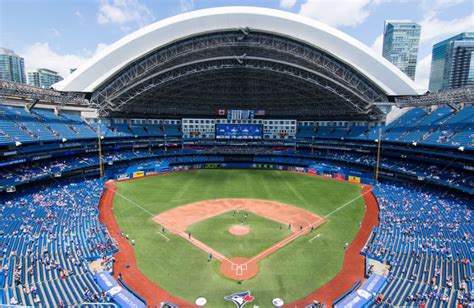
(290, 273)
(263, 234)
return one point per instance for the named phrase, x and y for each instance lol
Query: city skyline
(63, 42)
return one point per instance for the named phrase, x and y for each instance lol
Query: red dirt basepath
(238, 230)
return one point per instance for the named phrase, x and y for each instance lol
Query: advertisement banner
(339, 176)
(120, 295)
(138, 174)
(364, 295)
(354, 179)
(122, 177)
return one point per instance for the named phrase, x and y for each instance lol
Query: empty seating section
(425, 125)
(16, 124)
(457, 129)
(403, 125)
(440, 127)
(427, 237)
(47, 235)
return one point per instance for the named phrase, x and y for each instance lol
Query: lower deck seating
(47, 235)
(427, 238)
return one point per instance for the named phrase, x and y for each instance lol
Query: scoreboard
(240, 114)
(239, 131)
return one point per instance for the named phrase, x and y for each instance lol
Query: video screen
(239, 131)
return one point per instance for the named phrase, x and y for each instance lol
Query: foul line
(136, 204)
(140, 207)
(347, 203)
(316, 236)
(167, 239)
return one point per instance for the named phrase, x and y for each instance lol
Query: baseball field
(294, 256)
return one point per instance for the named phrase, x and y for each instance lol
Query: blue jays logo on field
(240, 299)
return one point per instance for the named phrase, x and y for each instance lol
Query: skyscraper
(452, 62)
(12, 66)
(400, 45)
(43, 78)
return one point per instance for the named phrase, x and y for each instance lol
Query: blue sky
(61, 34)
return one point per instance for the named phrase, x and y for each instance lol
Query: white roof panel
(137, 44)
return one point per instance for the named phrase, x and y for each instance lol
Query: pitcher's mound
(239, 230)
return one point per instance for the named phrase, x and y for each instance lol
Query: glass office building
(43, 78)
(400, 45)
(452, 62)
(12, 66)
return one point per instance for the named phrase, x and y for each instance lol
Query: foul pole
(100, 150)
(378, 155)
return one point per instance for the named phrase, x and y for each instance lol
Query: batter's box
(239, 268)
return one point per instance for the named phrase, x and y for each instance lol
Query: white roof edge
(344, 47)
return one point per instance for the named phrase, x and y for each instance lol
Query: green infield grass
(290, 273)
(263, 233)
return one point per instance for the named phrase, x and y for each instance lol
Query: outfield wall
(326, 171)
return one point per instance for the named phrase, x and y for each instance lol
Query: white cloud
(434, 29)
(287, 4)
(78, 14)
(431, 8)
(377, 45)
(79, 17)
(338, 12)
(186, 5)
(55, 32)
(422, 77)
(122, 12)
(40, 55)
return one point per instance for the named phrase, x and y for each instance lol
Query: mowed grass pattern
(290, 273)
(214, 232)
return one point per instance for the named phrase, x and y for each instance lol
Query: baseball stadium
(231, 157)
